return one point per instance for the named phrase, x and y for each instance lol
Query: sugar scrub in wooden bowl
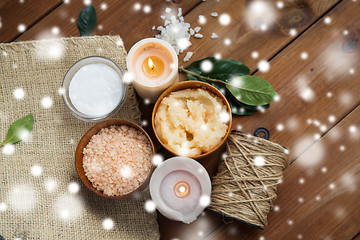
(192, 119)
(113, 158)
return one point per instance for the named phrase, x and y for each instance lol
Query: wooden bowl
(187, 85)
(85, 140)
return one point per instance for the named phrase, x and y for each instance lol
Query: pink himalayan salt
(117, 160)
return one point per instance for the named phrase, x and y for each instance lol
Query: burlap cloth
(41, 207)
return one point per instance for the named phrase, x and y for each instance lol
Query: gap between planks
(38, 20)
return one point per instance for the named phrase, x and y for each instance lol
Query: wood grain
(245, 32)
(318, 201)
(117, 18)
(325, 70)
(13, 13)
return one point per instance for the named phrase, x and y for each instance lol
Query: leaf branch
(219, 81)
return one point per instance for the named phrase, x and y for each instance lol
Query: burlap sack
(41, 207)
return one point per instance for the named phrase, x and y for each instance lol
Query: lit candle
(154, 65)
(181, 189)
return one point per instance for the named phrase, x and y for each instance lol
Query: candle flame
(151, 63)
(182, 189)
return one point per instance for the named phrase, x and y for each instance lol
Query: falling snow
(47, 102)
(36, 170)
(225, 19)
(263, 66)
(73, 187)
(149, 206)
(108, 224)
(19, 93)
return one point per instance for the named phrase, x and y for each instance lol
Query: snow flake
(301, 200)
(276, 208)
(144, 123)
(147, 9)
(342, 148)
(69, 207)
(50, 185)
(227, 41)
(157, 159)
(225, 19)
(255, 54)
(87, 2)
(103, 6)
(280, 127)
(263, 66)
(21, 28)
(36, 170)
(198, 35)
(301, 180)
(323, 169)
(332, 118)
(259, 161)
(126, 171)
(149, 206)
(327, 20)
(167, 10)
(3, 206)
(352, 71)
(304, 55)
(73, 187)
(214, 14)
(47, 102)
(22, 198)
(137, 6)
(19, 93)
(217, 55)
(280, 4)
(317, 136)
(293, 32)
(317, 198)
(345, 32)
(204, 201)
(55, 30)
(332, 186)
(206, 66)
(108, 224)
(290, 222)
(8, 149)
(352, 129)
(307, 94)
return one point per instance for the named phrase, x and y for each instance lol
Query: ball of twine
(245, 185)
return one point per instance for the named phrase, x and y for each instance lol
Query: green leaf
(87, 20)
(251, 90)
(19, 129)
(223, 69)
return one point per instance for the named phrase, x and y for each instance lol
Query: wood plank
(245, 32)
(117, 18)
(326, 205)
(13, 13)
(332, 55)
(279, 38)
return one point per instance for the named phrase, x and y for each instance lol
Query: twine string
(242, 189)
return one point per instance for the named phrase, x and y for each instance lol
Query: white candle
(154, 65)
(180, 188)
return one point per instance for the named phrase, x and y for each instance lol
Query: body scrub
(191, 122)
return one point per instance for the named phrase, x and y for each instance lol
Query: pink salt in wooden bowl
(84, 142)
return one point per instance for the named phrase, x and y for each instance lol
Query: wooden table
(313, 47)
